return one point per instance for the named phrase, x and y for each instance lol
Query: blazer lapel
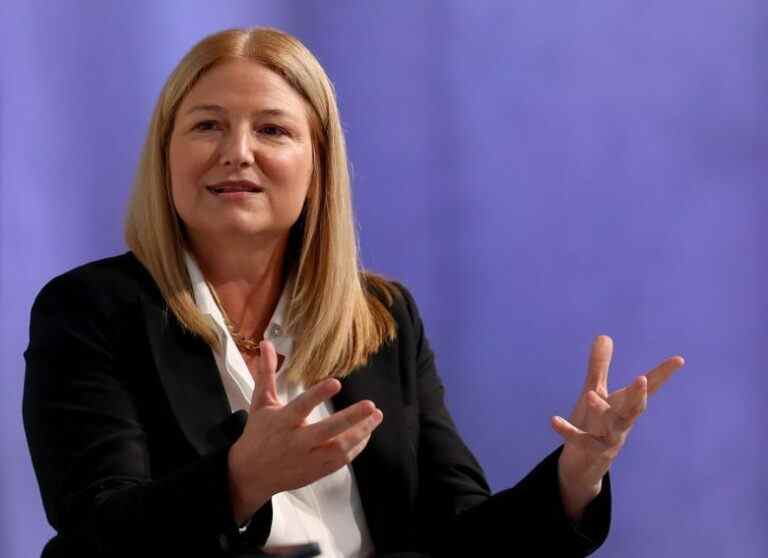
(386, 470)
(191, 379)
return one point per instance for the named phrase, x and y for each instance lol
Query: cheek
(174, 168)
(292, 170)
(186, 166)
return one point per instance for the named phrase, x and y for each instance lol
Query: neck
(248, 278)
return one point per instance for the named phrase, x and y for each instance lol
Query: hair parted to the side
(336, 318)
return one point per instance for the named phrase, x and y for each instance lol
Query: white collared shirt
(328, 511)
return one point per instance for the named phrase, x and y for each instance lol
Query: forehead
(245, 86)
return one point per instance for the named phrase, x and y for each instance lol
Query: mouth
(240, 186)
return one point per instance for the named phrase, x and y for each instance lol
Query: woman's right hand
(280, 451)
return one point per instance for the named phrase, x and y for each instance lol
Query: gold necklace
(245, 344)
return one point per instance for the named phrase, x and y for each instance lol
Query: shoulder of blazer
(96, 300)
(411, 336)
(108, 284)
(111, 304)
(397, 299)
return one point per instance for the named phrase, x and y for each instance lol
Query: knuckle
(350, 421)
(337, 446)
(622, 423)
(584, 441)
(613, 441)
(610, 453)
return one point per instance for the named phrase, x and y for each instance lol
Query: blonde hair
(338, 314)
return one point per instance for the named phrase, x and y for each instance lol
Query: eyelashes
(271, 130)
(205, 125)
(278, 131)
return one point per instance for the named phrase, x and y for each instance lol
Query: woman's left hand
(599, 425)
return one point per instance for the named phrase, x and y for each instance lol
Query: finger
(599, 415)
(340, 422)
(299, 408)
(633, 404)
(577, 437)
(607, 424)
(616, 398)
(342, 447)
(604, 422)
(656, 378)
(659, 375)
(264, 387)
(355, 451)
(599, 362)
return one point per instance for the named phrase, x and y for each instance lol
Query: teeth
(223, 190)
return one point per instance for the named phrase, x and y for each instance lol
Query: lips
(231, 187)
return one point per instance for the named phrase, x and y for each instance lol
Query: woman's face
(240, 154)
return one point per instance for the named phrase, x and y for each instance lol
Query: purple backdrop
(537, 173)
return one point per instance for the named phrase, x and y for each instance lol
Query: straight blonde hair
(338, 314)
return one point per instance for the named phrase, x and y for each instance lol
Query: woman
(236, 381)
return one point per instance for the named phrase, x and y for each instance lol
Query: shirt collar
(207, 304)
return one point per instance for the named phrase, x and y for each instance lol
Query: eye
(205, 125)
(272, 130)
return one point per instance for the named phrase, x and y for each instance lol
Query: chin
(252, 230)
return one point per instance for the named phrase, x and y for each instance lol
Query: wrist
(245, 496)
(577, 493)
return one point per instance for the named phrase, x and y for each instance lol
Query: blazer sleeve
(460, 515)
(89, 449)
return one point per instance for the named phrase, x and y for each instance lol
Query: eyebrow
(219, 108)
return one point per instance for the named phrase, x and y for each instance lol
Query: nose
(236, 149)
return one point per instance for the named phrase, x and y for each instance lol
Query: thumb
(264, 387)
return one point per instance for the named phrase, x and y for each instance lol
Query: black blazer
(129, 427)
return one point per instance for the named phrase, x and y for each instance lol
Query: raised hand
(280, 451)
(600, 423)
